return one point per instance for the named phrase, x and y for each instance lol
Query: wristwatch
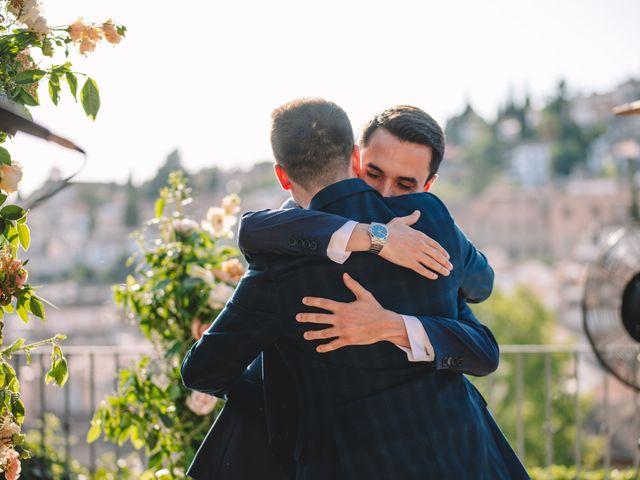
(378, 232)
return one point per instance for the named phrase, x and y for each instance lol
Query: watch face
(379, 231)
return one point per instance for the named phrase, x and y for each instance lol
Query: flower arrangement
(24, 30)
(184, 274)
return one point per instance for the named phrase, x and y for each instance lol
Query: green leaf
(3, 198)
(72, 80)
(54, 89)
(25, 98)
(137, 437)
(22, 313)
(14, 346)
(166, 420)
(59, 69)
(152, 440)
(94, 432)
(28, 76)
(12, 212)
(36, 307)
(24, 235)
(59, 372)
(5, 157)
(155, 460)
(47, 48)
(18, 410)
(159, 207)
(90, 98)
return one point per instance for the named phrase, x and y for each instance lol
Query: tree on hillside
(131, 212)
(479, 147)
(569, 142)
(172, 163)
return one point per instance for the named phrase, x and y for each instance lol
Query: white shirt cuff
(421, 349)
(337, 249)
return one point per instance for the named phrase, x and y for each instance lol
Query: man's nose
(387, 189)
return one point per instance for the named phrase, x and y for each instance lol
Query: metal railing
(586, 378)
(93, 375)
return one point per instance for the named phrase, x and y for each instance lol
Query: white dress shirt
(421, 349)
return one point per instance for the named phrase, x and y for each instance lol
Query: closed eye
(372, 175)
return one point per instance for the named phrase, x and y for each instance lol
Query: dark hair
(409, 124)
(312, 140)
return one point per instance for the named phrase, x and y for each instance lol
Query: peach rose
(234, 269)
(10, 177)
(77, 29)
(10, 460)
(111, 32)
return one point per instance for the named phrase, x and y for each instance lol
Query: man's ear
(285, 183)
(356, 160)
(430, 183)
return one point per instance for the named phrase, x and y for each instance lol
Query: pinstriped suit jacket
(365, 412)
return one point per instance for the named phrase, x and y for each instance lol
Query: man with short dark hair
(366, 412)
(402, 149)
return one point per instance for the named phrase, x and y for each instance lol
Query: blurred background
(538, 172)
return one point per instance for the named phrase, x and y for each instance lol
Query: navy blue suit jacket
(365, 412)
(462, 344)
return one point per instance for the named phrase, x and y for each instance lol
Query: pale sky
(204, 76)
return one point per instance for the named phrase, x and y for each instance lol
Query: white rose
(10, 176)
(39, 26)
(185, 225)
(9, 429)
(220, 295)
(201, 403)
(218, 222)
(231, 204)
(30, 14)
(196, 271)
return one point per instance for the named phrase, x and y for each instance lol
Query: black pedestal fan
(611, 306)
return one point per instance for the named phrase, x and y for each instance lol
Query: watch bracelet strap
(376, 248)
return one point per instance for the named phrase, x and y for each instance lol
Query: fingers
(323, 303)
(436, 263)
(409, 219)
(425, 272)
(358, 290)
(321, 334)
(322, 318)
(433, 244)
(331, 346)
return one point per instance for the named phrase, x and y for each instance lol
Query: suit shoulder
(423, 201)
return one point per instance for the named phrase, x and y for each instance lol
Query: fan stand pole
(633, 190)
(636, 404)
